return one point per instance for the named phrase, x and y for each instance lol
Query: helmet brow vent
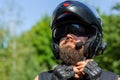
(66, 4)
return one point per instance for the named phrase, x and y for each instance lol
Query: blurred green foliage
(33, 51)
(110, 60)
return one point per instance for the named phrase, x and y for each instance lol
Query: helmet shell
(74, 11)
(78, 12)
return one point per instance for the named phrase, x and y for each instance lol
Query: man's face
(68, 53)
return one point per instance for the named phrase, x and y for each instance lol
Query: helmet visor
(62, 31)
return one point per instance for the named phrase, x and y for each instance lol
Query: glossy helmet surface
(79, 13)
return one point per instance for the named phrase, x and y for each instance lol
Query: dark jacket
(105, 75)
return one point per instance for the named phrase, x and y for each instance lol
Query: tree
(10, 20)
(41, 40)
(116, 7)
(34, 50)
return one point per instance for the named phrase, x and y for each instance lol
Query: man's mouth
(69, 44)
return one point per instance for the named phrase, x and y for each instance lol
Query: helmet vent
(66, 4)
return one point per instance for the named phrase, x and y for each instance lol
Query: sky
(31, 11)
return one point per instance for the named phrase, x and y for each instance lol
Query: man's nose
(69, 37)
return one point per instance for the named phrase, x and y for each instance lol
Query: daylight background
(25, 37)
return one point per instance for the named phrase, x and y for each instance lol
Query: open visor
(62, 31)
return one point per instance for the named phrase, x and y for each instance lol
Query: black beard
(70, 56)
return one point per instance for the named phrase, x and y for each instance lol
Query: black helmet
(74, 12)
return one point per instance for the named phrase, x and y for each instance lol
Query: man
(77, 37)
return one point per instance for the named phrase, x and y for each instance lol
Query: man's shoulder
(46, 72)
(109, 75)
(45, 75)
(36, 78)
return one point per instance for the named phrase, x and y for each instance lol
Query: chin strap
(55, 49)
